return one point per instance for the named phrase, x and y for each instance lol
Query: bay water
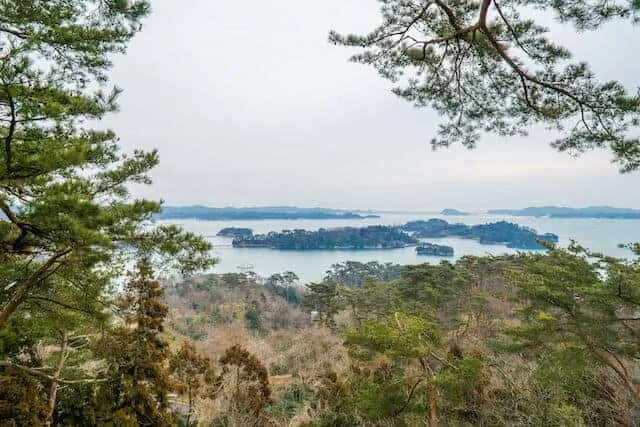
(602, 235)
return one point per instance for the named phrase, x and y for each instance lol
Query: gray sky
(250, 105)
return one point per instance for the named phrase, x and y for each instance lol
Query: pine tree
(64, 192)
(136, 354)
(326, 299)
(416, 373)
(580, 312)
(487, 67)
(68, 222)
(193, 374)
(252, 392)
(67, 331)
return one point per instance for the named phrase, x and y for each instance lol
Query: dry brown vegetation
(331, 371)
(211, 310)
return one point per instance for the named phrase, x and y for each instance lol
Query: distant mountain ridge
(256, 213)
(607, 212)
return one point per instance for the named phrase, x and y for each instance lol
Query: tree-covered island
(497, 233)
(372, 237)
(392, 237)
(235, 232)
(432, 249)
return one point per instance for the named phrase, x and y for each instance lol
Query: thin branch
(617, 359)
(443, 361)
(409, 397)
(450, 16)
(25, 285)
(402, 33)
(12, 128)
(623, 375)
(455, 36)
(526, 94)
(523, 74)
(55, 380)
(14, 32)
(32, 119)
(25, 227)
(36, 372)
(511, 29)
(20, 196)
(61, 304)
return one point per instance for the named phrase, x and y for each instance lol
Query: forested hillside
(517, 340)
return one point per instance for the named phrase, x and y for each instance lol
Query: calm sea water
(602, 235)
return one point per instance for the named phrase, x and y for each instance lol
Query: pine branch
(44, 375)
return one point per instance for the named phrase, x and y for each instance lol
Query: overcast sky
(250, 105)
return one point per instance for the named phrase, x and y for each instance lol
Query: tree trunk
(10, 307)
(53, 391)
(190, 406)
(433, 405)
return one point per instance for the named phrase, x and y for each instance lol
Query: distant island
(255, 213)
(372, 237)
(605, 212)
(452, 212)
(497, 233)
(434, 250)
(235, 232)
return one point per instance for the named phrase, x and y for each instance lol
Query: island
(435, 228)
(235, 232)
(434, 250)
(372, 237)
(256, 213)
(452, 212)
(497, 233)
(392, 237)
(604, 212)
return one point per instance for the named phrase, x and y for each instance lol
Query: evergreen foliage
(68, 223)
(487, 66)
(194, 374)
(135, 354)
